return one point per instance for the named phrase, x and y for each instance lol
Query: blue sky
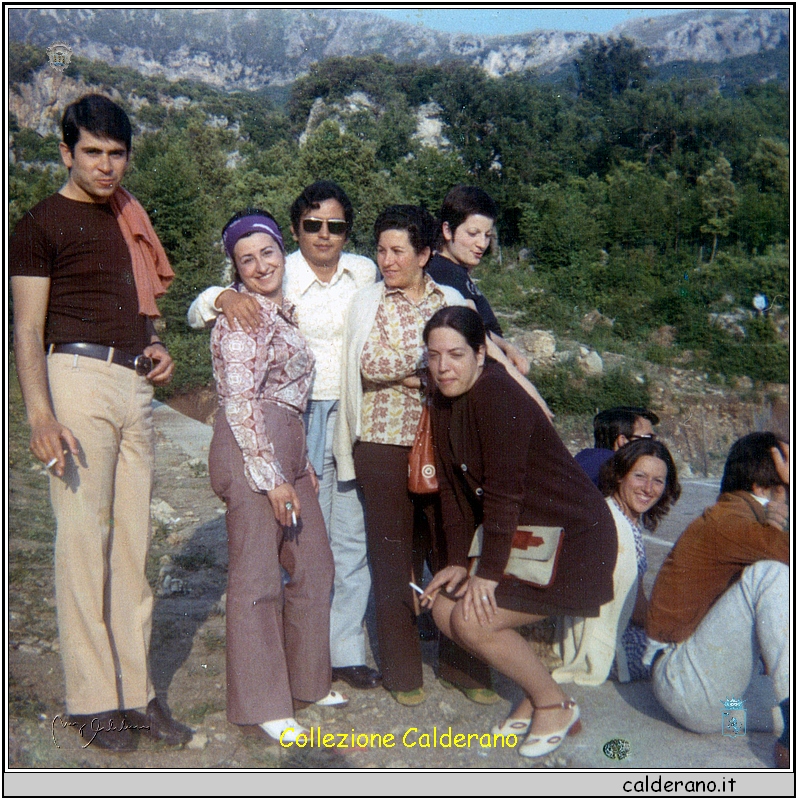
(504, 21)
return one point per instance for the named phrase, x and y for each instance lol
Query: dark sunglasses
(336, 227)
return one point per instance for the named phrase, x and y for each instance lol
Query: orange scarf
(151, 269)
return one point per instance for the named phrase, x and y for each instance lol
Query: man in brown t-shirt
(87, 357)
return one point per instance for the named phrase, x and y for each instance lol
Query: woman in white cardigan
(384, 362)
(641, 484)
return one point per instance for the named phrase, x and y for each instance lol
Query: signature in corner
(95, 726)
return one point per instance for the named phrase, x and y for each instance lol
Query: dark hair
(462, 201)
(246, 212)
(615, 469)
(97, 115)
(314, 195)
(619, 421)
(417, 221)
(462, 319)
(750, 461)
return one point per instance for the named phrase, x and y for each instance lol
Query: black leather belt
(141, 365)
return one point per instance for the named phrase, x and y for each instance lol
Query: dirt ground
(187, 569)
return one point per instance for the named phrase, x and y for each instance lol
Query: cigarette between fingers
(51, 463)
(293, 518)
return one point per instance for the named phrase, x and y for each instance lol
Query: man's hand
(48, 436)
(164, 366)
(777, 514)
(781, 460)
(47, 442)
(241, 309)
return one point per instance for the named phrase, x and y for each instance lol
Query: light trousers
(102, 512)
(342, 508)
(720, 659)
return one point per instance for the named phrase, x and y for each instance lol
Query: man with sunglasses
(612, 429)
(320, 280)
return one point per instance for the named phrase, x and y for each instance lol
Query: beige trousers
(102, 511)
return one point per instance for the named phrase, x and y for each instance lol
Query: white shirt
(320, 311)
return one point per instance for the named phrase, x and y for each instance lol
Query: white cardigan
(588, 645)
(359, 322)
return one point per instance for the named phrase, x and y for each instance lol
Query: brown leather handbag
(422, 475)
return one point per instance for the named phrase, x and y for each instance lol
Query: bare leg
(501, 646)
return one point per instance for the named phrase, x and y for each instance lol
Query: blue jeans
(342, 508)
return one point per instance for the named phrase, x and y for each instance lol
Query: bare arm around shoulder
(48, 435)
(515, 356)
(238, 308)
(495, 352)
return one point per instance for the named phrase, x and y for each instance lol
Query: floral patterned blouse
(394, 351)
(272, 365)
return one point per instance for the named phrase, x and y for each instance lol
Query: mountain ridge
(251, 49)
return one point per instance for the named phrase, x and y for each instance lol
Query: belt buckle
(142, 365)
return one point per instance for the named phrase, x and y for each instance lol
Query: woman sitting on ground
(503, 467)
(278, 637)
(641, 484)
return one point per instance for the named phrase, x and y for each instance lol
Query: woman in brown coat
(503, 466)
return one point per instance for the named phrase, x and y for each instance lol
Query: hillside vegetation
(661, 204)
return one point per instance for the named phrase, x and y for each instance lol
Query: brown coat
(502, 464)
(708, 558)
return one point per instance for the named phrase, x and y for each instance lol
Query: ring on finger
(289, 505)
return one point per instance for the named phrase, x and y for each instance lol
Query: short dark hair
(618, 421)
(314, 195)
(99, 116)
(615, 469)
(462, 319)
(750, 461)
(417, 221)
(462, 201)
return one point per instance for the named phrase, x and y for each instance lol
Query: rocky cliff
(257, 47)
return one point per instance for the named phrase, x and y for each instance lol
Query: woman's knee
(441, 613)
(468, 632)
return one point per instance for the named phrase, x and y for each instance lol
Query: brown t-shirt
(708, 558)
(80, 248)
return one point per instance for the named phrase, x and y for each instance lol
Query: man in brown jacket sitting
(721, 599)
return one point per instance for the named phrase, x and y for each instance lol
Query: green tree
(608, 67)
(718, 200)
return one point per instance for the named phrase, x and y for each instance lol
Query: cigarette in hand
(293, 518)
(417, 588)
(51, 463)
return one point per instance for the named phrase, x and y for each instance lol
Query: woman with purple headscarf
(278, 655)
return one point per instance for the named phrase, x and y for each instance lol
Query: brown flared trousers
(278, 636)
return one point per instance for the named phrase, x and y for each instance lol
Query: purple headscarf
(253, 223)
